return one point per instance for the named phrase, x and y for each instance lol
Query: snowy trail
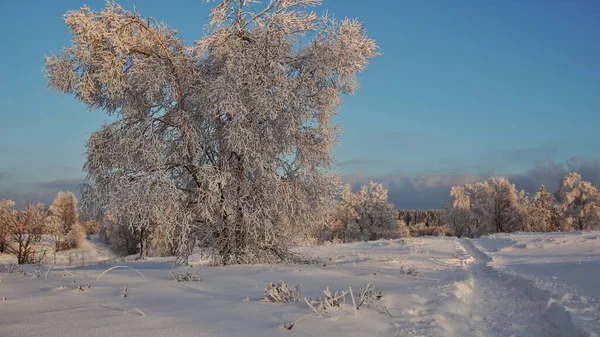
(497, 309)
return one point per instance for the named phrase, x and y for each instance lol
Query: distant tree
(415, 218)
(7, 217)
(579, 202)
(75, 235)
(523, 211)
(64, 211)
(376, 216)
(366, 214)
(26, 230)
(55, 230)
(543, 213)
(91, 227)
(478, 195)
(402, 229)
(346, 215)
(457, 213)
(229, 139)
(504, 205)
(492, 206)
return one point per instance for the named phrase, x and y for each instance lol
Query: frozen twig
(115, 267)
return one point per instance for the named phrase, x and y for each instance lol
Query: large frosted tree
(224, 143)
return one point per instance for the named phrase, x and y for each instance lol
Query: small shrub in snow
(331, 300)
(185, 277)
(417, 251)
(372, 297)
(11, 269)
(280, 293)
(412, 271)
(369, 295)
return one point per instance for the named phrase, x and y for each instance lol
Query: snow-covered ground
(559, 271)
(458, 287)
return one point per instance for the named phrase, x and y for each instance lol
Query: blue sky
(464, 89)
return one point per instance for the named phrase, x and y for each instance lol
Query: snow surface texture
(434, 287)
(558, 271)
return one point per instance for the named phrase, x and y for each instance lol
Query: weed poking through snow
(185, 277)
(280, 293)
(11, 269)
(369, 296)
(412, 271)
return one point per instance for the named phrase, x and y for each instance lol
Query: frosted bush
(280, 293)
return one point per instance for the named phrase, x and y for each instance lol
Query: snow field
(433, 286)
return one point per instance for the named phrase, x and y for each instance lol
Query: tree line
(495, 206)
(23, 230)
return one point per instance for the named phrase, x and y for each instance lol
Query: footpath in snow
(560, 272)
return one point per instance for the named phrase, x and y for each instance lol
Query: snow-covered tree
(7, 218)
(504, 207)
(225, 142)
(55, 230)
(25, 230)
(91, 227)
(523, 211)
(346, 216)
(543, 213)
(402, 229)
(75, 235)
(478, 195)
(366, 214)
(376, 216)
(492, 206)
(579, 202)
(64, 211)
(457, 213)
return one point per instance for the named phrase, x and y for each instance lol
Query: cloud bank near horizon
(432, 191)
(426, 191)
